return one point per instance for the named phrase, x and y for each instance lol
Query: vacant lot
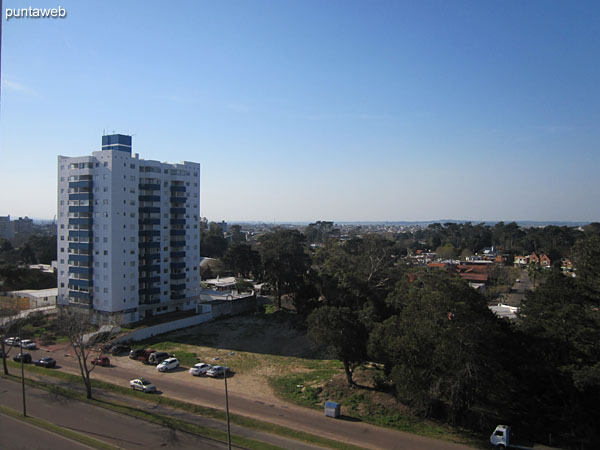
(258, 348)
(273, 360)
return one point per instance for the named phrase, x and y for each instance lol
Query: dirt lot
(255, 347)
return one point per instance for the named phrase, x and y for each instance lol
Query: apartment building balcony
(81, 184)
(79, 234)
(177, 232)
(177, 254)
(79, 283)
(149, 256)
(178, 199)
(177, 265)
(177, 276)
(149, 198)
(150, 209)
(149, 301)
(177, 210)
(149, 291)
(177, 221)
(81, 246)
(81, 196)
(177, 244)
(80, 295)
(175, 296)
(149, 187)
(149, 267)
(80, 258)
(81, 209)
(148, 279)
(149, 245)
(178, 287)
(149, 221)
(176, 188)
(89, 271)
(80, 221)
(150, 233)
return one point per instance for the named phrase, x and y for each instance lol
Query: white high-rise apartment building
(128, 237)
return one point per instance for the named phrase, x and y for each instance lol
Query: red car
(103, 361)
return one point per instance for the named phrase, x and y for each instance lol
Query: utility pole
(227, 409)
(22, 369)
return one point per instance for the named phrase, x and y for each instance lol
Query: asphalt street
(517, 293)
(18, 435)
(102, 424)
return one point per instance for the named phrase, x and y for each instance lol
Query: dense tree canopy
(440, 346)
(285, 260)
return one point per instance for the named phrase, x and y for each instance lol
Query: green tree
(28, 255)
(242, 259)
(339, 330)
(586, 256)
(212, 242)
(447, 251)
(237, 236)
(284, 260)
(320, 232)
(534, 270)
(440, 349)
(562, 326)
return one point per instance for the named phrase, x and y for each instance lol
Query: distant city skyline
(303, 111)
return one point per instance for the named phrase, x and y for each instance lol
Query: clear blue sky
(324, 110)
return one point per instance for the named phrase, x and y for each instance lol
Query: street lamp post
(227, 411)
(225, 373)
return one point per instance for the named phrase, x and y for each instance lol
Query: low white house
(38, 298)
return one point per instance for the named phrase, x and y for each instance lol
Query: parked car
(118, 349)
(28, 344)
(217, 371)
(141, 384)
(200, 369)
(12, 341)
(25, 356)
(158, 357)
(103, 361)
(135, 353)
(46, 361)
(168, 364)
(144, 358)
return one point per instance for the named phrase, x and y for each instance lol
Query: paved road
(210, 393)
(18, 435)
(517, 293)
(108, 426)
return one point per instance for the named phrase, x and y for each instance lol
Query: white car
(28, 344)
(141, 384)
(200, 369)
(168, 364)
(12, 341)
(217, 371)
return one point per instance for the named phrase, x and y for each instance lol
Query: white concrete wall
(145, 333)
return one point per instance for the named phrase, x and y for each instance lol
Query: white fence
(145, 333)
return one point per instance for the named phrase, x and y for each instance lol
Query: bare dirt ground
(255, 347)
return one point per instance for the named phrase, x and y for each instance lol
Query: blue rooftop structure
(120, 142)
